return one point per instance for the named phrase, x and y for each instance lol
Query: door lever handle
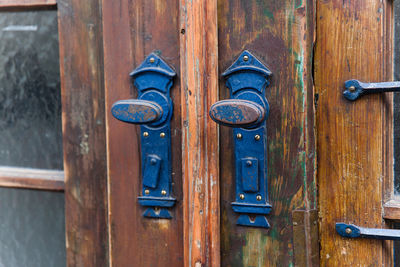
(355, 89)
(153, 111)
(354, 231)
(246, 112)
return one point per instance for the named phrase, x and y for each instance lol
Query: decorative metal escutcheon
(355, 89)
(153, 111)
(354, 231)
(247, 111)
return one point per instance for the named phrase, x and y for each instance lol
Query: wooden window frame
(30, 178)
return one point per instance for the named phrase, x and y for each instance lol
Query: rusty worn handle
(137, 111)
(237, 113)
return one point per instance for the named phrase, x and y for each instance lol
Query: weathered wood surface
(200, 148)
(27, 3)
(84, 136)
(279, 33)
(353, 42)
(132, 30)
(32, 178)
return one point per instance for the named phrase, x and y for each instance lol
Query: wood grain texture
(84, 136)
(353, 42)
(280, 34)
(32, 178)
(132, 30)
(27, 3)
(200, 142)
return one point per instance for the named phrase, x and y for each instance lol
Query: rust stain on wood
(353, 42)
(200, 144)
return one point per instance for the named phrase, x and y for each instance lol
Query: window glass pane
(30, 105)
(32, 231)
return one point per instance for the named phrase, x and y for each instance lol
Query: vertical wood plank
(353, 42)
(200, 142)
(279, 33)
(132, 30)
(84, 139)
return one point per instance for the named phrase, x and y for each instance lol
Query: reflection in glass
(30, 105)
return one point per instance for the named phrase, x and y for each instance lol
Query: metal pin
(257, 137)
(249, 163)
(152, 60)
(153, 161)
(245, 57)
(147, 191)
(348, 231)
(239, 136)
(162, 135)
(352, 88)
(163, 192)
(241, 196)
(258, 197)
(145, 134)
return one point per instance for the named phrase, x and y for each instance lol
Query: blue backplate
(247, 79)
(153, 110)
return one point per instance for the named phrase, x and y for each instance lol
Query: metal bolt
(348, 231)
(246, 57)
(163, 192)
(153, 161)
(249, 163)
(152, 60)
(239, 136)
(257, 137)
(145, 134)
(258, 197)
(241, 196)
(162, 135)
(147, 191)
(352, 88)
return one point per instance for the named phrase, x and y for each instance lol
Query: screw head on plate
(348, 231)
(145, 134)
(163, 192)
(152, 60)
(352, 88)
(258, 197)
(147, 191)
(257, 137)
(245, 57)
(239, 136)
(162, 135)
(241, 196)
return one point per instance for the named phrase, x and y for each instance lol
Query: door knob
(354, 231)
(246, 112)
(153, 111)
(354, 89)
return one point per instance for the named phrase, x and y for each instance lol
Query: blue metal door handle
(246, 112)
(354, 231)
(153, 111)
(355, 89)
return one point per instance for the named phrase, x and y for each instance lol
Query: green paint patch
(265, 9)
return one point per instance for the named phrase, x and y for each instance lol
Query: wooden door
(200, 40)
(328, 160)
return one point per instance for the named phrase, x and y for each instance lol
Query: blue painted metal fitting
(153, 111)
(247, 111)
